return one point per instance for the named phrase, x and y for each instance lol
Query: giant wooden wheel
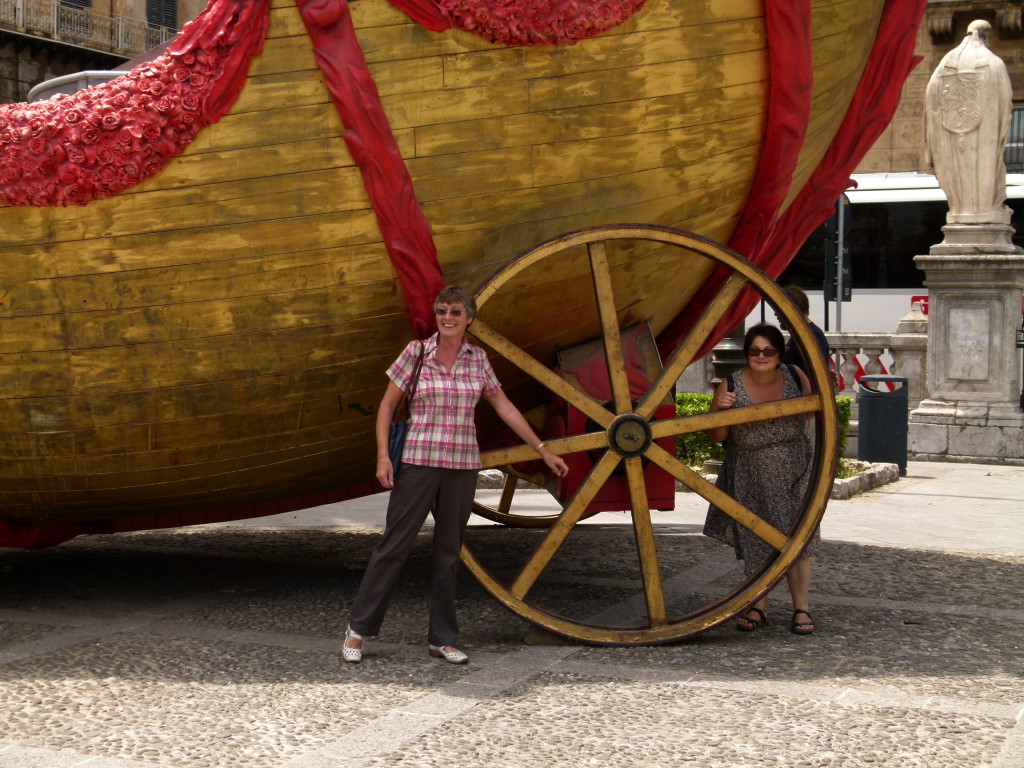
(627, 432)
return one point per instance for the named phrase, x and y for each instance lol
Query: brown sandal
(755, 623)
(802, 627)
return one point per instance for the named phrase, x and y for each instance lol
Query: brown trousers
(417, 489)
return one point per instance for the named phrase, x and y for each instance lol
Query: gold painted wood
(562, 527)
(686, 351)
(486, 335)
(720, 499)
(734, 416)
(606, 310)
(561, 446)
(497, 300)
(218, 335)
(645, 546)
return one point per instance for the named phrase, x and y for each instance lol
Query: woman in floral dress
(766, 468)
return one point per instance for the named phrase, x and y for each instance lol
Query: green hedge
(844, 405)
(695, 448)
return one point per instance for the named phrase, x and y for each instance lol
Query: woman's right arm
(385, 415)
(722, 400)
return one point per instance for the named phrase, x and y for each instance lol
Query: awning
(913, 188)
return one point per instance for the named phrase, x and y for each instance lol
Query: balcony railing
(120, 35)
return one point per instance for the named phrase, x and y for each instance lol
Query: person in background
(439, 467)
(766, 469)
(792, 355)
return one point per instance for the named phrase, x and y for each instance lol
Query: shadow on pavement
(897, 616)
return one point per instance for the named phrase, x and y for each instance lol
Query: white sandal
(352, 655)
(454, 656)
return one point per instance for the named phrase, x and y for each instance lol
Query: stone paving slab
(220, 646)
(572, 719)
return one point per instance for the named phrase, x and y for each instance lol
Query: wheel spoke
(719, 498)
(643, 531)
(683, 425)
(614, 358)
(683, 356)
(499, 457)
(508, 490)
(561, 528)
(529, 365)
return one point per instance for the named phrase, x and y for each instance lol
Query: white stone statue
(967, 117)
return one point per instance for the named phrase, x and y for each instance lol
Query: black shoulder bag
(400, 426)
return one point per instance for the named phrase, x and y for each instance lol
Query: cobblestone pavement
(220, 646)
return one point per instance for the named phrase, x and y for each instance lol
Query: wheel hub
(629, 436)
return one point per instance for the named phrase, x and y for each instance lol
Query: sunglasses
(767, 352)
(441, 312)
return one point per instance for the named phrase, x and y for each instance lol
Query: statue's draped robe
(967, 116)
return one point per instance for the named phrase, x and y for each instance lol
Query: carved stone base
(965, 430)
(969, 239)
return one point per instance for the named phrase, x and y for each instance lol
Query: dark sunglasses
(441, 312)
(767, 352)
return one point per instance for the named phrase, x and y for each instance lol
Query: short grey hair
(456, 294)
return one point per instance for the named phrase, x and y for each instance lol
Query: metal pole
(1020, 346)
(839, 265)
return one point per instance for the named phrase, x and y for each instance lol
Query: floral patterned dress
(766, 469)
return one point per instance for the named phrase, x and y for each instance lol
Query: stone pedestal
(975, 279)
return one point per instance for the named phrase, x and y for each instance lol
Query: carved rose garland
(538, 22)
(100, 141)
(72, 149)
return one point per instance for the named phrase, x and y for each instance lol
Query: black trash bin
(882, 428)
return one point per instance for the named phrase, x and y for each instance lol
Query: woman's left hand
(555, 463)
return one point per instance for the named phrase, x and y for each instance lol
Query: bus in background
(892, 218)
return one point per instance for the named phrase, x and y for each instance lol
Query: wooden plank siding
(218, 335)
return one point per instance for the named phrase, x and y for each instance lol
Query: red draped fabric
(766, 239)
(372, 145)
(870, 112)
(788, 30)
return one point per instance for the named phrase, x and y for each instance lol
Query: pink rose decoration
(85, 146)
(72, 193)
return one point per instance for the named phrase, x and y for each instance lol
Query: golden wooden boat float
(207, 264)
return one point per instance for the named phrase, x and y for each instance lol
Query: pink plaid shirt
(442, 428)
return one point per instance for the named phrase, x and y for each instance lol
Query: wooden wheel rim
(503, 513)
(658, 627)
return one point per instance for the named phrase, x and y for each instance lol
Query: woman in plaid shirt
(440, 462)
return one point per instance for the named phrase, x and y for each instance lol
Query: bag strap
(416, 372)
(407, 397)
